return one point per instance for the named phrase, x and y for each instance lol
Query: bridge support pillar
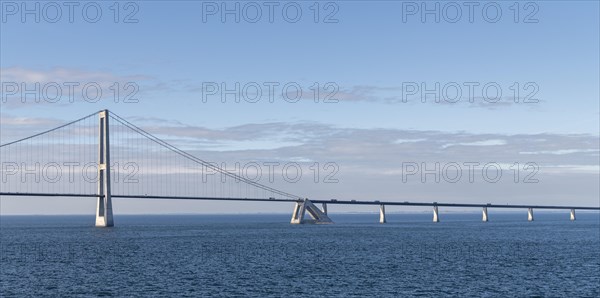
(104, 214)
(324, 208)
(382, 214)
(436, 216)
(530, 214)
(572, 214)
(485, 214)
(302, 207)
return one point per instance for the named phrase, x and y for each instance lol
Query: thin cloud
(63, 86)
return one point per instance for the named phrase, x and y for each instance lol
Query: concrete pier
(298, 213)
(382, 214)
(530, 214)
(485, 214)
(436, 217)
(301, 208)
(324, 208)
(572, 214)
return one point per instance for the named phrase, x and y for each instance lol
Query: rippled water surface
(263, 255)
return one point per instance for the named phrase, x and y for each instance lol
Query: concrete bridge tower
(104, 214)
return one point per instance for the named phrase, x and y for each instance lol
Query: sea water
(264, 255)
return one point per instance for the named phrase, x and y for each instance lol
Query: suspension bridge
(100, 156)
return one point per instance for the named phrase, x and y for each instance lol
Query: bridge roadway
(328, 202)
(450, 204)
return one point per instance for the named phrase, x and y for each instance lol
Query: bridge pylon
(104, 214)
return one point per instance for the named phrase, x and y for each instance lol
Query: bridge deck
(338, 202)
(345, 202)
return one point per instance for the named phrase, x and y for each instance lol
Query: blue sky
(369, 53)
